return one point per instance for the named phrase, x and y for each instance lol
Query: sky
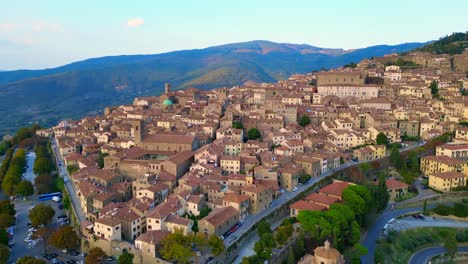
(50, 33)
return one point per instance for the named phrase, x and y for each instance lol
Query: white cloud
(135, 22)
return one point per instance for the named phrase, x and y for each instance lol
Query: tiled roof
(303, 205)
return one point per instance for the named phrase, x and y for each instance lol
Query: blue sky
(49, 33)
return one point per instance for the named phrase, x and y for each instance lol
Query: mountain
(84, 87)
(452, 44)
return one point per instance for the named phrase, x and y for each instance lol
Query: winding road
(424, 255)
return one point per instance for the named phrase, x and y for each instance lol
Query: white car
(32, 229)
(294, 189)
(28, 240)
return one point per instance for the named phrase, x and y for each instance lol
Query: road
(249, 221)
(411, 222)
(63, 172)
(422, 194)
(424, 255)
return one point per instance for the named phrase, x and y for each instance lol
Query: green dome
(168, 102)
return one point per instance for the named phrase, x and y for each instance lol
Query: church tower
(137, 129)
(167, 88)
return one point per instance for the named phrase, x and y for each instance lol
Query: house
(321, 199)
(369, 153)
(149, 242)
(446, 181)
(260, 196)
(240, 202)
(218, 221)
(459, 151)
(302, 205)
(335, 189)
(434, 164)
(289, 175)
(396, 189)
(108, 228)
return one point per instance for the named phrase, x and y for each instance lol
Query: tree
(100, 160)
(304, 120)
(6, 220)
(254, 133)
(125, 258)
(382, 139)
(65, 238)
(3, 237)
(44, 233)
(299, 248)
(291, 258)
(41, 214)
(434, 86)
(450, 244)
(42, 165)
(395, 158)
(30, 260)
(6, 207)
(4, 253)
(355, 202)
(425, 206)
(177, 247)
(217, 245)
(262, 250)
(25, 188)
(413, 162)
(95, 256)
(237, 125)
(358, 251)
(263, 227)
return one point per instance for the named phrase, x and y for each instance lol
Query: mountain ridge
(84, 87)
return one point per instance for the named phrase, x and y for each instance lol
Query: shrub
(442, 210)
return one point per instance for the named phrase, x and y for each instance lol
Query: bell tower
(167, 88)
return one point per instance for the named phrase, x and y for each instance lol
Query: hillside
(84, 87)
(453, 44)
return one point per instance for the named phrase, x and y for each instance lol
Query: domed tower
(167, 88)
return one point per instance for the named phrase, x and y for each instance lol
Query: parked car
(61, 216)
(71, 261)
(110, 258)
(73, 253)
(435, 218)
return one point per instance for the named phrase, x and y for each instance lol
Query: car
(62, 216)
(54, 255)
(233, 229)
(28, 239)
(208, 260)
(64, 250)
(73, 253)
(221, 237)
(60, 206)
(71, 261)
(32, 229)
(54, 260)
(198, 254)
(110, 258)
(83, 254)
(294, 189)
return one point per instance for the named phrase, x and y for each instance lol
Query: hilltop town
(212, 161)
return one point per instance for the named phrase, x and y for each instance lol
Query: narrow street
(63, 172)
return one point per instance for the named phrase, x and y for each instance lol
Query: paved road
(62, 170)
(422, 194)
(373, 233)
(424, 255)
(411, 222)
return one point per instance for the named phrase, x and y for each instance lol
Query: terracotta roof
(153, 236)
(170, 138)
(321, 198)
(335, 188)
(303, 205)
(108, 221)
(394, 184)
(235, 198)
(176, 219)
(448, 175)
(220, 215)
(443, 159)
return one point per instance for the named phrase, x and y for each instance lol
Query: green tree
(30, 260)
(291, 258)
(41, 214)
(358, 251)
(382, 139)
(4, 253)
(125, 258)
(42, 165)
(25, 188)
(425, 206)
(355, 202)
(3, 237)
(237, 125)
(176, 247)
(6, 220)
(413, 162)
(95, 256)
(434, 86)
(263, 227)
(100, 160)
(195, 226)
(6, 207)
(299, 248)
(450, 244)
(395, 158)
(304, 120)
(263, 251)
(65, 238)
(217, 245)
(255, 259)
(254, 133)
